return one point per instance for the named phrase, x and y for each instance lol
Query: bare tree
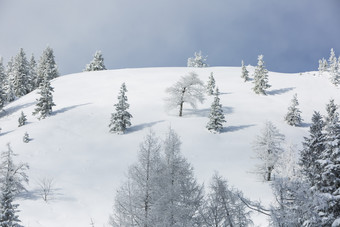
(46, 188)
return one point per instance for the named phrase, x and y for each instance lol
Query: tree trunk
(269, 173)
(182, 102)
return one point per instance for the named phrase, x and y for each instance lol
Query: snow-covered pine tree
(33, 73)
(45, 102)
(22, 119)
(12, 178)
(3, 97)
(47, 67)
(181, 196)
(121, 118)
(198, 61)
(323, 66)
(135, 202)
(26, 138)
(331, 109)
(267, 148)
(329, 183)
(260, 77)
(332, 58)
(313, 146)
(20, 74)
(211, 84)
(189, 89)
(293, 117)
(245, 73)
(97, 63)
(223, 206)
(216, 116)
(8, 82)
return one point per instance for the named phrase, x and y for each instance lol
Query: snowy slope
(87, 163)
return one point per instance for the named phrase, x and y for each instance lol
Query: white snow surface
(74, 147)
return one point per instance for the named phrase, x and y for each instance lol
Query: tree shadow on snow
(225, 93)
(65, 109)
(139, 127)
(4, 133)
(10, 110)
(36, 194)
(280, 91)
(204, 112)
(236, 128)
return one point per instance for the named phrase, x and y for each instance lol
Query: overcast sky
(291, 34)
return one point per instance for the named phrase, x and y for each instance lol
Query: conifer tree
(22, 119)
(97, 63)
(216, 116)
(211, 84)
(33, 73)
(332, 58)
(323, 65)
(26, 138)
(20, 74)
(10, 96)
(260, 77)
(331, 109)
(245, 73)
(47, 67)
(198, 61)
(293, 117)
(45, 102)
(3, 97)
(120, 119)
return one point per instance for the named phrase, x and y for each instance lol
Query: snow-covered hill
(87, 163)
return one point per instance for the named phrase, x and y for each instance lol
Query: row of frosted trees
(332, 66)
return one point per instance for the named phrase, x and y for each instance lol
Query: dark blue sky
(292, 34)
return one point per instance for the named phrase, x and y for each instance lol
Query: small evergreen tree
(198, 61)
(20, 74)
(120, 120)
(45, 102)
(293, 117)
(47, 67)
(260, 77)
(22, 119)
(26, 138)
(245, 73)
(97, 63)
(332, 58)
(216, 116)
(211, 84)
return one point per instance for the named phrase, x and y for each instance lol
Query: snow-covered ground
(88, 164)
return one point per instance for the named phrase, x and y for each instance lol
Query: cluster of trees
(307, 191)
(332, 66)
(198, 61)
(161, 190)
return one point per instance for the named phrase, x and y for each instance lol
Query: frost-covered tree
(33, 73)
(313, 146)
(12, 181)
(3, 78)
(331, 109)
(245, 73)
(216, 116)
(332, 58)
(323, 65)
(47, 67)
(45, 102)
(22, 119)
(211, 84)
(223, 205)
(121, 118)
(198, 61)
(267, 148)
(135, 202)
(26, 138)
(20, 74)
(293, 117)
(189, 89)
(97, 63)
(260, 77)
(181, 195)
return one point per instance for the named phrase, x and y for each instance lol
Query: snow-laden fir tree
(121, 118)
(26, 138)
(12, 178)
(136, 200)
(332, 58)
(22, 119)
(216, 116)
(33, 73)
(293, 117)
(313, 146)
(323, 65)
(8, 82)
(198, 61)
(245, 73)
(329, 184)
(189, 89)
(47, 67)
(223, 205)
(97, 63)
(211, 84)
(181, 196)
(45, 102)
(331, 109)
(260, 77)
(267, 148)
(20, 74)
(3, 97)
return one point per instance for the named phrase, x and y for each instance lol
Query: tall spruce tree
(2, 84)
(45, 102)
(10, 96)
(33, 73)
(331, 109)
(245, 73)
(211, 84)
(47, 67)
(121, 118)
(293, 117)
(216, 116)
(20, 74)
(97, 63)
(260, 77)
